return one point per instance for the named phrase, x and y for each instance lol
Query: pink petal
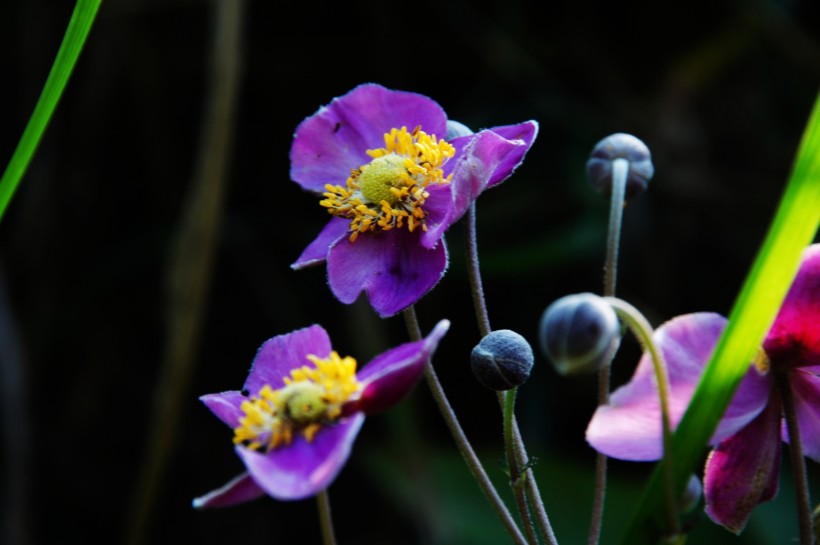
(239, 490)
(629, 427)
(806, 390)
(303, 468)
(391, 267)
(794, 339)
(278, 355)
(742, 472)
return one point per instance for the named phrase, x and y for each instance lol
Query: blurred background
(146, 255)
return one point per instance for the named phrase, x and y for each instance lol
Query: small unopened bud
(579, 333)
(626, 146)
(502, 360)
(691, 496)
(456, 129)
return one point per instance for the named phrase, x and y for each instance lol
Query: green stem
(325, 519)
(516, 477)
(643, 331)
(620, 169)
(483, 319)
(463, 444)
(798, 462)
(85, 11)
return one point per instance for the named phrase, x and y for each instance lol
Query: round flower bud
(502, 360)
(456, 129)
(579, 333)
(692, 494)
(626, 146)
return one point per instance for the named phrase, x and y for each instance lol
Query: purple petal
(391, 267)
(239, 490)
(389, 377)
(335, 139)
(742, 472)
(303, 468)
(806, 390)
(523, 132)
(316, 251)
(226, 406)
(629, 427)
(794, 339)
(278, 355)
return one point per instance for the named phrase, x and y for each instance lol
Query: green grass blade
(79, 26)
(793, 228)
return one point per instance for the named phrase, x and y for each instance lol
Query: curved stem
(325, 520)
(516, 478)
(483, 319)
(620, 169)
(798, 462)
(643, 331)
(463, 444)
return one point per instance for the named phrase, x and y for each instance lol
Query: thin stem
(643, 331)
(483, 319)
(515, 472)
(620, 169)
(463, 444)
(798, 462)
(325, 518)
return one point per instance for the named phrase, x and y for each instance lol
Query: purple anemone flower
(394, 174)
(742, 470)
(300, 410)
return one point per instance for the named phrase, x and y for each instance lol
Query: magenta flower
(742, 470)
(301, 408)
(395, 174)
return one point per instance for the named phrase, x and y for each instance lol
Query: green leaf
(793, 228)
(78, 28)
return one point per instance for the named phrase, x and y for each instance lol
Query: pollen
(311, 399)
(389, 192)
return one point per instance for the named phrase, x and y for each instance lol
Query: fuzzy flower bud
(692, 494)
(626, 146)
(502, 360)
(579, 333)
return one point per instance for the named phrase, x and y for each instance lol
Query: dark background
(105, 348)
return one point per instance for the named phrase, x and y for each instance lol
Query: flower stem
(325, 519)
(516, 477)
(518, 452)
(643, 331)
(620, 169)
(464, 446)
(797, 460)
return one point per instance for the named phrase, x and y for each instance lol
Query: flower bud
(456, 129)
(691, 496)
(502, 360)
(626, 146)
(579, 333)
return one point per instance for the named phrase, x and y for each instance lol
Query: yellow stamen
(311, 398)
(391, 188)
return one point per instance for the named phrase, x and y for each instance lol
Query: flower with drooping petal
(394, 174)
(300, 410)
(742, 470)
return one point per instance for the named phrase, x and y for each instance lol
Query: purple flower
(395, 174)
(742, 470)
(301, 408)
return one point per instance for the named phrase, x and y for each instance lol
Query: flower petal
(335, 139)
(389, 377)
(629, 427)
(481, 161)
(391, 267)
(794, 338)
(303, 468)
(278, 355)
(239, 490)
(742, 472)
(226, 406)
(806, 390)
(316, 251)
